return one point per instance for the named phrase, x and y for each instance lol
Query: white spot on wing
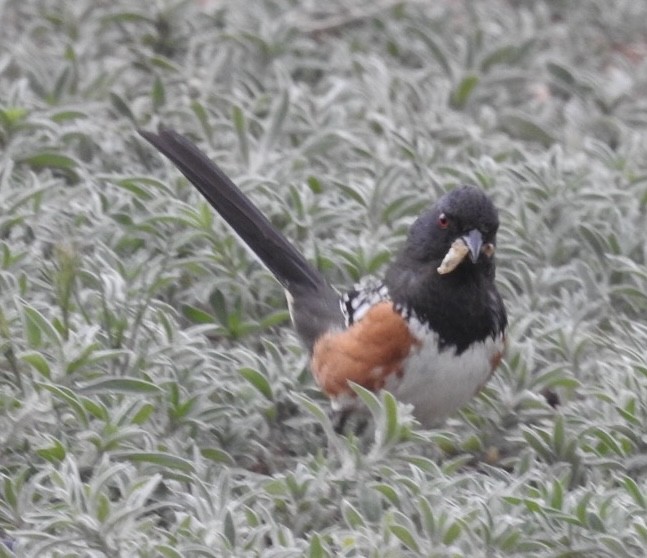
(355, 303)
(290, 301)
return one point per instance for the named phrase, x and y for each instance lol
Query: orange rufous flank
(366, 353)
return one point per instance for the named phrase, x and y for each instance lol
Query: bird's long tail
(314, 300)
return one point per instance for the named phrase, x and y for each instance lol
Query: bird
(432, 331)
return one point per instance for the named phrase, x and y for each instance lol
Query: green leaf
(121, 385)
(316, 549)
(437, 51)
(49, 160)
(36, 324)
(127, 17)
(524, 128)
(557, 497)
(134, 188)
(581, 510)
(91, 356)
(369, 399)
(452, 533)
(314, 184)
(168, 551)
(258, 380)
(143, 414)
(405, 536)
(473, 443)
(635, 492)
(278, 113)
(103, 508)
(594, 521)
(54, 453)
(38, 361)
(313, 408)
(10, 117)
(229, 529)
(563, 74)
(537, 443)
(182, 410)
(501, 55)
(68, 396)
(9, 492)
(389, 493)
(275, 318)
(197, 316)
(461, 94)
(161, 459)
(390, 418)
(240, 125)
(158, 94)
(97, 410)
(121, 107)
(608, 442)
(351, 516)
(427, 517)
(66, 115)
(203, 117)
(559, 435)
(218, 303)
(217, 455)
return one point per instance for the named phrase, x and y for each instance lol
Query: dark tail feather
(291, 269)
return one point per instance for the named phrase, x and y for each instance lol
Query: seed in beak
(455, 255)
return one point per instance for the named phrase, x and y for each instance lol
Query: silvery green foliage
(153, 399)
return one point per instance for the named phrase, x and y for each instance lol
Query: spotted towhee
(432, 332)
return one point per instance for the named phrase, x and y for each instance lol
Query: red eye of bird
(443, 221)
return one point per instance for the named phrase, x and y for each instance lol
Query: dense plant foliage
(153, 398)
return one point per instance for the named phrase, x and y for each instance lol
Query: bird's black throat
(462, 307)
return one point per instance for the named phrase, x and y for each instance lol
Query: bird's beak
(474, 241)
(470, 243)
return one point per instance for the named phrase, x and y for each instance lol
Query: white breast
(437, 381)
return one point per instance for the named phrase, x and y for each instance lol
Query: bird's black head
(444, 274)
(466, 214)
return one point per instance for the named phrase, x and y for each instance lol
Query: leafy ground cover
(153, 399)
